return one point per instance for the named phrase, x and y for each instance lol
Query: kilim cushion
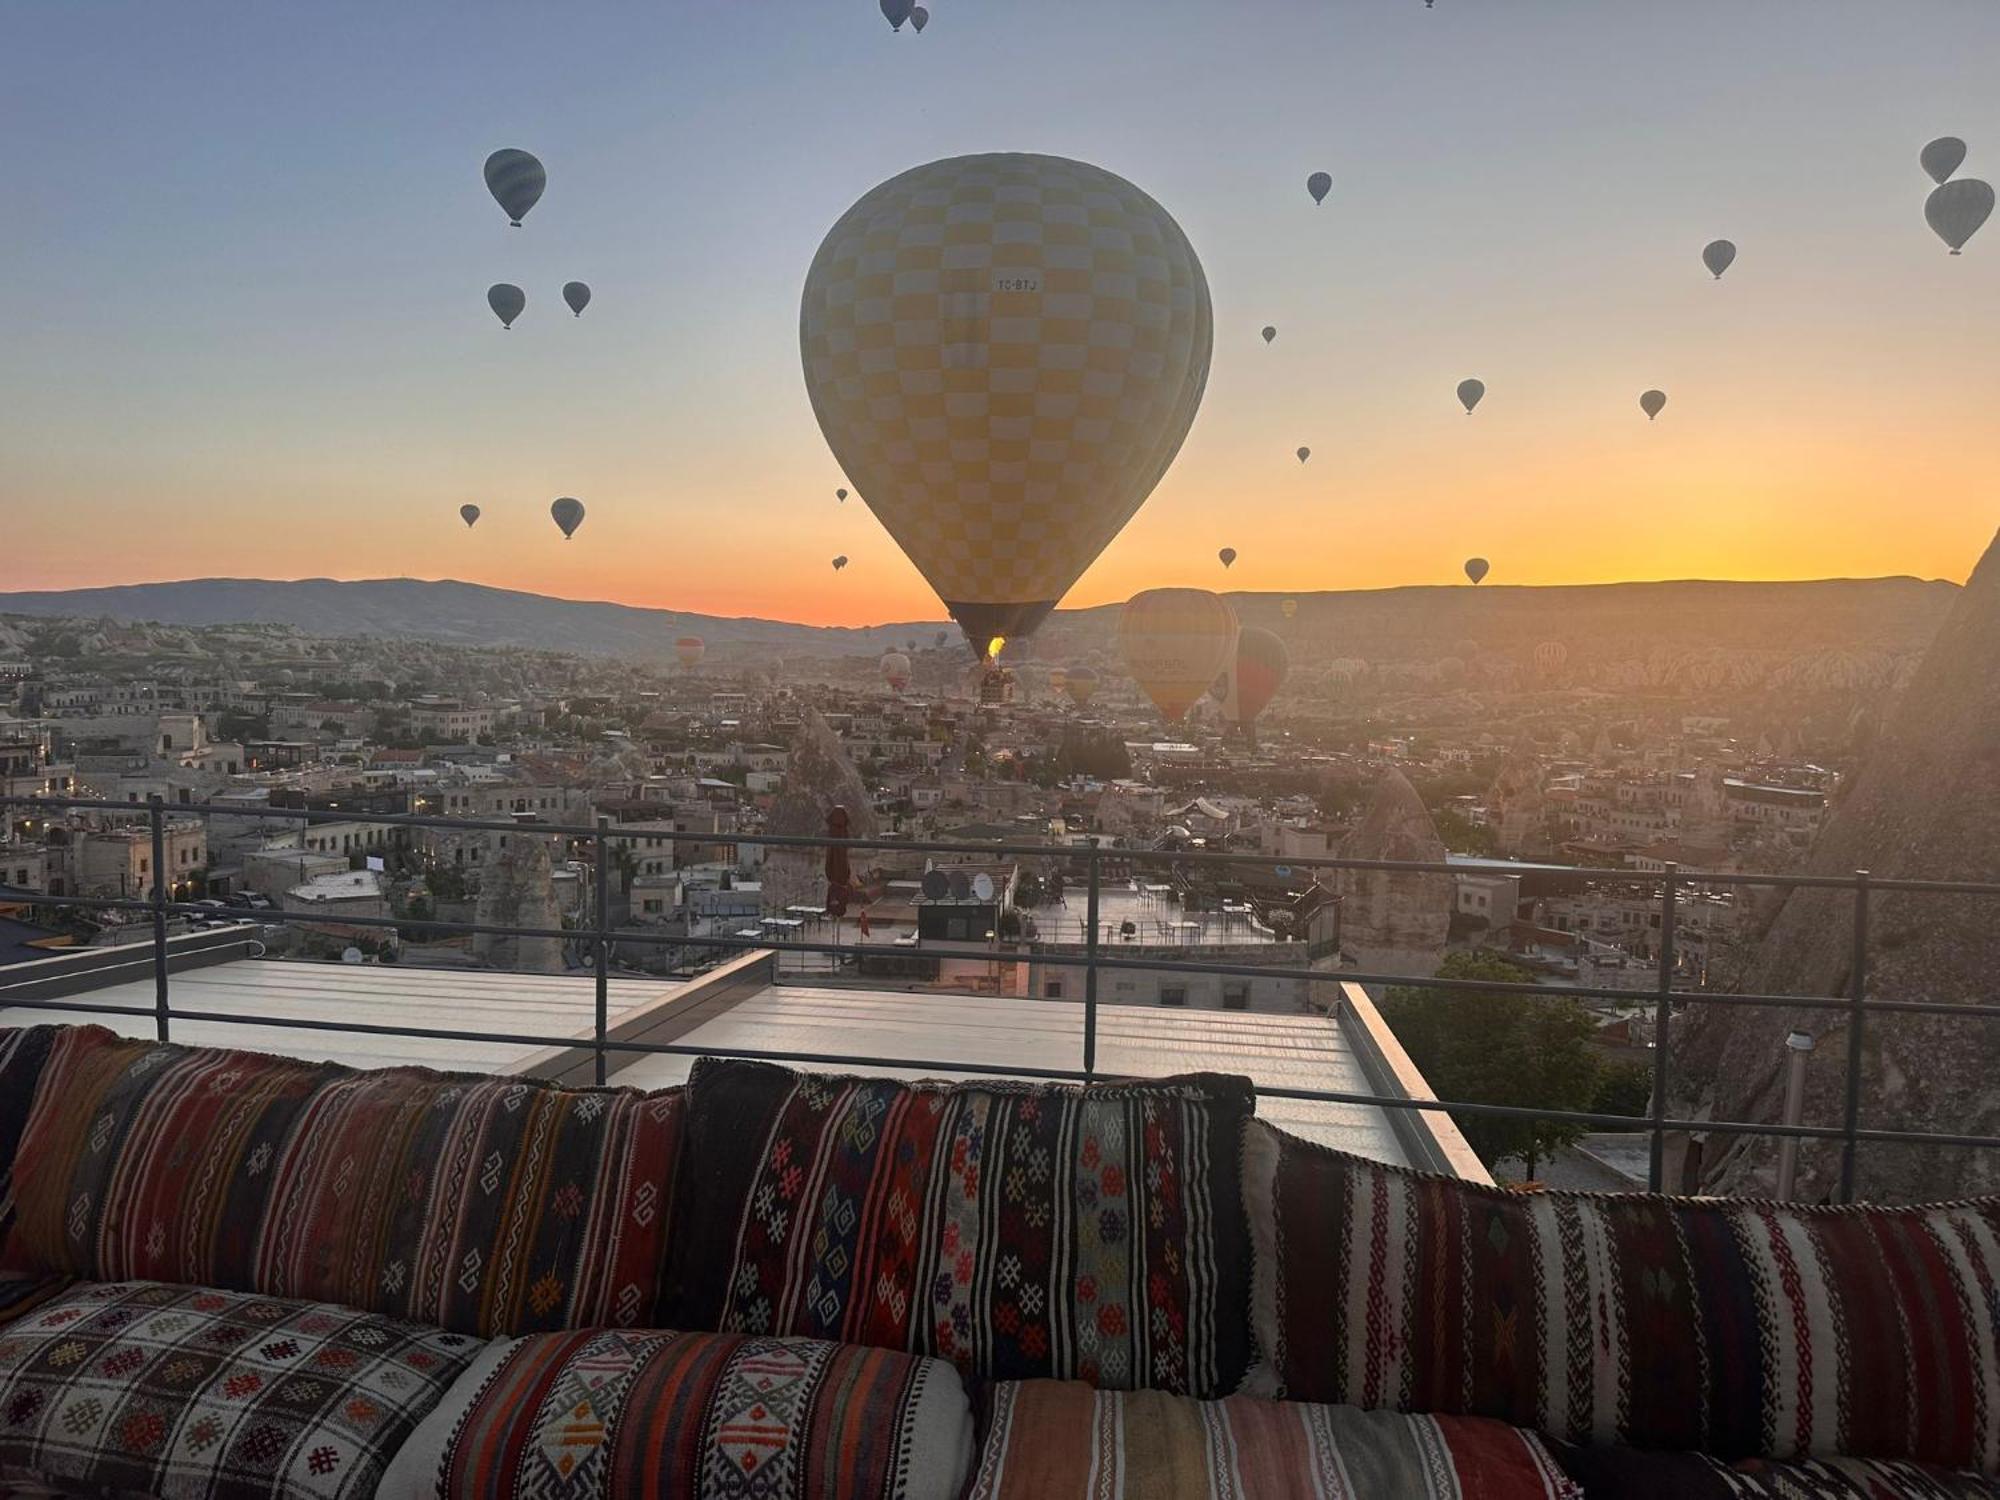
(1018, 1230)
(1061, 1440)
(1738, 1328)
(484, 1205)
(164, 1390)
(23, 1051)
(1641, 1474)
(610, 1413)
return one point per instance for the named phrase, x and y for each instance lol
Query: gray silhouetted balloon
(840, 494)
(1304, 454)
(507, 301)
(568, 515)
(468, 513)
(1476, 568)
(1469, 392)
(1717, 256)
(896, 12)
(1942, 157)
(1319, 185)
(1957, 208)
(1269, 333)
(1228, 556)
(1652, 403)
(515, 179)
(840, 562)
(577, 295)
(919, 18)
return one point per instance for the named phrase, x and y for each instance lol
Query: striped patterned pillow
(483, 1205)
(1737, 1328)
(1018, 1230)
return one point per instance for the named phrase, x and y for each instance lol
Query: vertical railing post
(601, 848)
(156, 816)
(1656, 1168)
(1857, 998)
(1090, 967)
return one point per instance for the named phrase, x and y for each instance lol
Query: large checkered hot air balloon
(1004, 353)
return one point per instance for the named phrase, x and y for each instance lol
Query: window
(1173, 994)
(1236, 994)
(1050, 991)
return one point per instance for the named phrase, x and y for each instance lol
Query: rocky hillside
(1926, 805)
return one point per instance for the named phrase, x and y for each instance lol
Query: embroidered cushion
(1061, 1440)
(1639, 1474)
(1733, 1327)
(609, 1413)
(1017, 1230)
(485, 1205)
(23, 1051)
(138, 1387)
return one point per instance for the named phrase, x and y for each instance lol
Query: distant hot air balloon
(1717, 255)
(1081, 685)
(1289, 608)
(1469, 392)
(1261, 664)
(1956, 209)
(1304, 454)
(1228, 556)
(943, 636)
(577, 295)
(840, 495)
(507, 301)
(1476, 568)
(1652, 403)
(468, 513)
(1550, 656)
(1000, 540)
(568, 515)
(896, 670)
(1269, 333)
(896, 12)
(1942, 157)
(690, 649)
(1319, 185)
(1175, 643)
(515, 179)
(1058, 679)
(840, 562)
(919, 18)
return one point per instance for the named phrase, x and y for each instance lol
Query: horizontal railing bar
(838, 1059)
(733, 944)
(1021, 851)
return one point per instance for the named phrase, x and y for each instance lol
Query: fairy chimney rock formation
(1395, 922)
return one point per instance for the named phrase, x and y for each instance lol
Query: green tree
(1498, 1047)
(1463, 836)
(1623, 1088)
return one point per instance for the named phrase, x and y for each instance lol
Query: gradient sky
(244, 250)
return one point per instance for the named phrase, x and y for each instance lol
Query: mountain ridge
(1897, 612)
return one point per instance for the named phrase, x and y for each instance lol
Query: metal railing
(1672, 881)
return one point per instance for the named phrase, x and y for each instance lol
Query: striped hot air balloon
(1262, 663)
(1081, 686)
(1024, 304)
(516, 180)
(1175, 643)
(690, 649)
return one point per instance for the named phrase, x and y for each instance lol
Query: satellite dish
(960, 886)
(982, 886)
(350, 955)
(935, 886)
(1283, 872)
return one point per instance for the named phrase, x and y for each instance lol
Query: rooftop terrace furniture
(238, 1275)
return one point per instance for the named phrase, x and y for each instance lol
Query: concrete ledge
(1430, 1136)
(76, 971)
(667, 1019)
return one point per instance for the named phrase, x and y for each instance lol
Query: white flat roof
(559, 1005)
(1302, 1051)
